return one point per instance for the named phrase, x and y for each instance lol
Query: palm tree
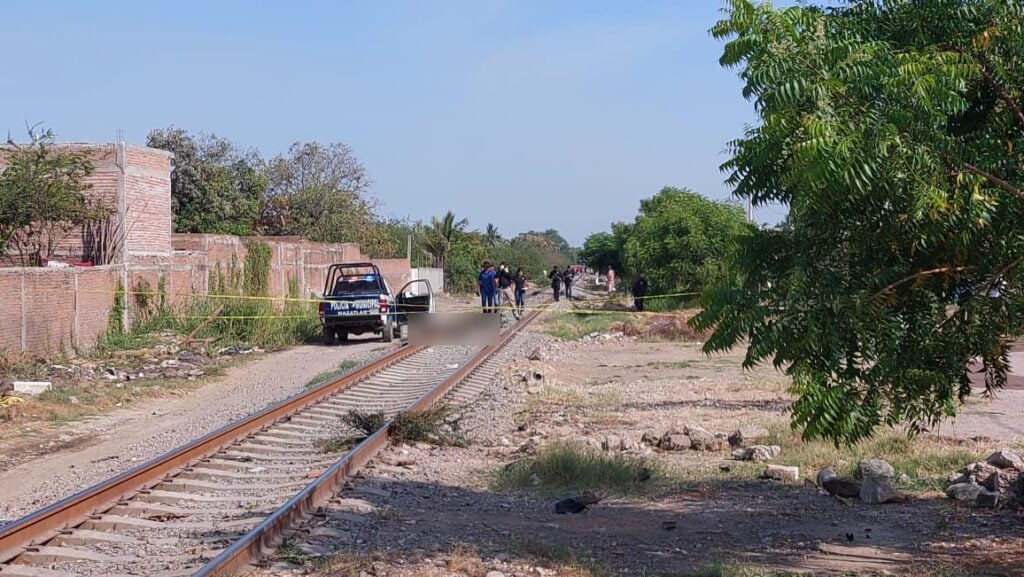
(492, 237)
(439, 236)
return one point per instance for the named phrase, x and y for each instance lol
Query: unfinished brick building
(50, 309)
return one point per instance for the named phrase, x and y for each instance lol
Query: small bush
(438, 425)
(365, 422)
(565, 468)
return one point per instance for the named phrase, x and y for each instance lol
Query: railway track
(224, 501)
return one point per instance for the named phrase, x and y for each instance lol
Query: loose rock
(875, 468)
(824, 475)
(782, 473)
(839, 487)
(989, 500)
(967, 492)
(877, 490)
(758, 453)
(675, 442)
(1006, 459)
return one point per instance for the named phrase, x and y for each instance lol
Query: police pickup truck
(358, 300)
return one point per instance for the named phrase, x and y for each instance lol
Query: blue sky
(529, 114)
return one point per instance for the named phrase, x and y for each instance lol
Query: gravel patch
(117, 442)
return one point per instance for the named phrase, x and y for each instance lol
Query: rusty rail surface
(38, 527)
(264, 538)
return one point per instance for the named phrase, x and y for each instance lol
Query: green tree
(683, 242)
(602, 250)
(42, 196)
(440, 235)
(216, 187)
(491, 236)
(322, 192)
(891, 130)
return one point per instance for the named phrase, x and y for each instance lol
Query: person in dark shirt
(639, 292)
(505, 297)
(487, 284)
(567, 278)
(556, 282)
(520, 283)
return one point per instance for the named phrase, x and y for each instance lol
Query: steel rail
(38, 527)
(268, 535)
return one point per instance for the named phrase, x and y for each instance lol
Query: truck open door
(416, 297)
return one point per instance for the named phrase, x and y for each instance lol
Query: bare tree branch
(995, 180)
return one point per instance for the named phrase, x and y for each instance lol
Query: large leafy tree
(892, 131)
(216, 187)
(600, 251)
(43, 196)
(683, 242)
(322, 192)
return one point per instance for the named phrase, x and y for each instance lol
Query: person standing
(567, 278)
(611, 280)
(556, 282)
(487, 286)
(520, 283)
(639, 292)
(507, 300)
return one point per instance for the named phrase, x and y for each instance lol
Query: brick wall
(49, 310)
(142, 177)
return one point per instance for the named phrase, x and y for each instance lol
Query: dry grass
(464, 559)
(925, 461)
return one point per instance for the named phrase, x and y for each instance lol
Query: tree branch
(920, 274)
(1008, 98)
(995, 180)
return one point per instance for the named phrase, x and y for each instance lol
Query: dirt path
(89, 451)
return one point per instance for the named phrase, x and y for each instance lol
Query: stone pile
(873, 484)
(997, 480)
(697, 438)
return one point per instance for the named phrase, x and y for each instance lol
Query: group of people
(500, 289)
(560, 280)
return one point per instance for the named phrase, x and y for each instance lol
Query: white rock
(32, 387)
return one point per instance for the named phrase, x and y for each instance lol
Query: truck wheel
(328, 336)
(343, 336)
(388, 334)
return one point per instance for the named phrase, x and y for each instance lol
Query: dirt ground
(443, 515)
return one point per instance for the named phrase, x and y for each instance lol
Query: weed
(926, 461)
(337, 444)
(365, 422)
(463, 558)
(345, 366)
(572, 326)
(733, 570)
(562, 556)
(439, 425)
(289, 552)
(351, 564)
(563, 468)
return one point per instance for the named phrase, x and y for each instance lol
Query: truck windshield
(356, 285)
